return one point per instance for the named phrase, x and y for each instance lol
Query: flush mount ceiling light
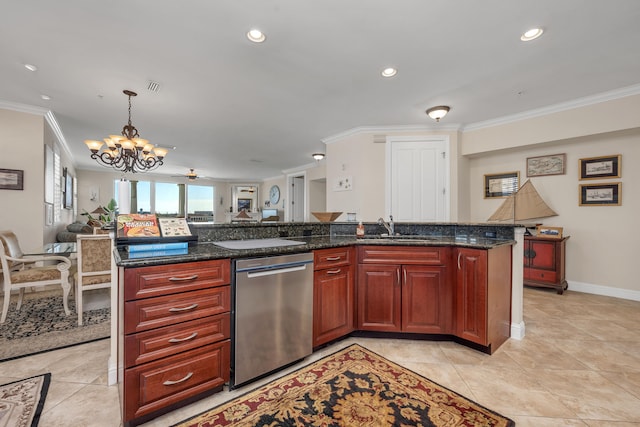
(318, 156)
(127, 152)
(389, 72)
(531, 34)
(436, 113)
(256, 36)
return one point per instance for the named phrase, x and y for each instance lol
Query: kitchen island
(443, 281)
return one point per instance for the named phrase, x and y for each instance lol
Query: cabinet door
(471, 295)
(543, 254)
(424, 300)
(379, 298)
(333, 303)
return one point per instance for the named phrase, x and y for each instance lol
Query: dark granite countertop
(208, 250)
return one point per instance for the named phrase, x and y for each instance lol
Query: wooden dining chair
(21, 271)
(94, 253)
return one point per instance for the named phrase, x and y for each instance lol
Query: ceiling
(237, 110)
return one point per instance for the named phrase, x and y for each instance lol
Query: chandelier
(127, 152)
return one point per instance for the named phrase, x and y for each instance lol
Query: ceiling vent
(153, 86)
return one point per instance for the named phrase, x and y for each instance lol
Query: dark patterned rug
(41, 325)
(353, 387)
(21, 402)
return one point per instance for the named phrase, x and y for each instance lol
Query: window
(57, 188)
(200, 204)
(167, 198)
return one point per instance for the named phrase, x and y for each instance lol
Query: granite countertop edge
(209, 251)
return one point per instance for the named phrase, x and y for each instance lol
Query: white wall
(359, 158)
(22, 139)
(601, 249)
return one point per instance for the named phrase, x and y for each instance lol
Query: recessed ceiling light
(45, 97)
(531, 34)
(256, 36)
(30, 67)
(389, 72)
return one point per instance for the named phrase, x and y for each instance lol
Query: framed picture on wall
(601, 167)
(11, 179)
(501, 184)
(609, 194)
(549, 232)
(67, 200)
(244, 204)
(546, 165)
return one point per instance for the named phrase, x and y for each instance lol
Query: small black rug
(41, 325)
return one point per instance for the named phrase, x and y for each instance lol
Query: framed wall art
(552, 164)
(549, 232)
(609, 194)
(11, 179)
(501, 184)
(67, 201)
(601, 167)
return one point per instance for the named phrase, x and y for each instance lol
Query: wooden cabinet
(483, 295)
(544, 261)
(404, 289)
(176, 332)
(333, 294)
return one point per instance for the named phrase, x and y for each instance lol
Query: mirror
(245, 196)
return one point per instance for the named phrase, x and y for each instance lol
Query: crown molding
(48, 116)
(390, 129)
(557, 108)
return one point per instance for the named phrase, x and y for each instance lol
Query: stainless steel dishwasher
(273, 314)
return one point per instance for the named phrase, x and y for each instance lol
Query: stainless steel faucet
(390, 226)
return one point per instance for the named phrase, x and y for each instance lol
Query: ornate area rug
(41, 325)
(353, 387)
(21, 402)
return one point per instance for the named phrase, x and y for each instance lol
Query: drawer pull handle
(178, 340)
(334, 271)
(191, 307)
(459, 255)
(182, 279)
(333, 258)
(181, 380)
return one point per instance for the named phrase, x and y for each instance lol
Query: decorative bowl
(326, 216)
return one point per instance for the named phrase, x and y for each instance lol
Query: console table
(544, 262)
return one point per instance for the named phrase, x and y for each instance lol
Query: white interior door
(418, 179)
(296, 198)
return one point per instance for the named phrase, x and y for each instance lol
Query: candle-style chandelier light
(127, 152)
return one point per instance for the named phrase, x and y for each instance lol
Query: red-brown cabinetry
(176, 335)
(483, 295)
(333, 294)
(404, 289)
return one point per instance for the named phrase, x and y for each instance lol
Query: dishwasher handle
(272, 271)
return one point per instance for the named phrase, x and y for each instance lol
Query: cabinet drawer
(430, 255)
(151, 345)
(158, 384)
(540, 275)
(145, 282)
(167, 310)
(327, 258)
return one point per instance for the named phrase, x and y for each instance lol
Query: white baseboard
(608, 291)
(517, 330)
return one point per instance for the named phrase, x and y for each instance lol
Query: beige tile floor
(579, 365)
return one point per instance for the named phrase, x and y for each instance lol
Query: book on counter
(174, 227)
(158, 253)
(147, 247)
(138, 225)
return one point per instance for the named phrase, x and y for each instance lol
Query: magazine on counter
(174, 227)
(138, 225)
